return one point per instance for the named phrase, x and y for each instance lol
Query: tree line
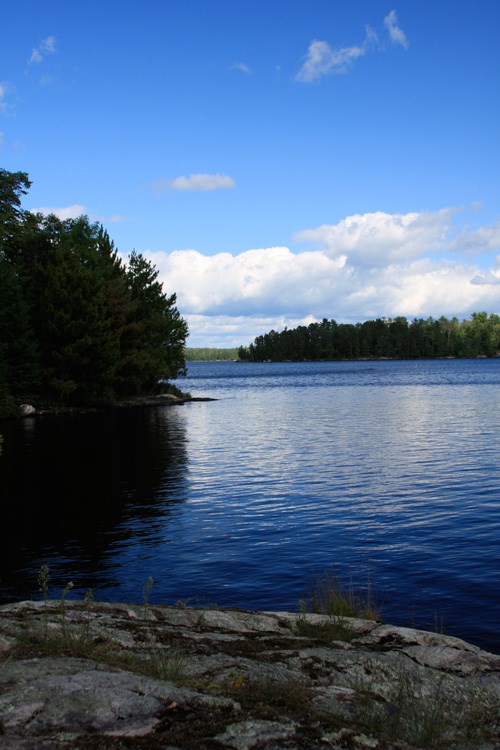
(394, 338)
(209, 354)
(78, 326)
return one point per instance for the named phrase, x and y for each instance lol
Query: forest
(78, 326)
(392, 338)
(210, 354)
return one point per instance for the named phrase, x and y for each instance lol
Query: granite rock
(101, 675)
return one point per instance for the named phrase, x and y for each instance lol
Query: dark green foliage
(12, 186)
(153, 342)
(387, 338)
(77, 326)
(19, 371)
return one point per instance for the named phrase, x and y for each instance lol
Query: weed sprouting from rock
(43, 582)
(330, 596)
(335, 629)
(64, 594)
(146, 591)
(427, 714)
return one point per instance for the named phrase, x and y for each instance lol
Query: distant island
(209, 354)
(383, 338)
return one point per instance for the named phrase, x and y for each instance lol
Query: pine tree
(77, 326)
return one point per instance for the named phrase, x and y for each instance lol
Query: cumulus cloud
(228, 300)
(378, 238)
(46, 47)
(65, 212)
(479, 240)
(491, 276)
(396, 33)
(231, 331)
(195, 182)
(367, 266)
(420, 288)
(250, 283)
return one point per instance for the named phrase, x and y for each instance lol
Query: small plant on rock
(330, 596)
(335, 629)
(146, 591)
(43, 582)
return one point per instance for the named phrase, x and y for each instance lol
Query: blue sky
(280, 161)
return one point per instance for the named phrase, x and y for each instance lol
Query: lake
(384, 472)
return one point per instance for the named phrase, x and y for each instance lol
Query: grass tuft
(330, 596)
(336, 629)
(434, 716)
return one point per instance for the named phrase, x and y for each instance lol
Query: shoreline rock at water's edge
(107, 675)
(162, 399)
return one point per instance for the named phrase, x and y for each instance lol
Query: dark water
(385, 472)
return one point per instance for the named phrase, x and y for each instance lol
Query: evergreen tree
(77, 326)
(19, 366)
(384, 337)
(12, 186)
(78, 346)
(154, 340)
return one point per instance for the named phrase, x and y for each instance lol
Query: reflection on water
(76, 489)
(385, 471)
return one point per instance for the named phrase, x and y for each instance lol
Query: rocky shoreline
(162, 399)
(101, 675)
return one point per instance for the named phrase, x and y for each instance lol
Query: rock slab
(121, 676)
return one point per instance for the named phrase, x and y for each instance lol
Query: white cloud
(195, 182)
(232, 331)
(322, 60)
(46, 47)
(3, 94)
(261, 281)
(491, 276)
(368, 266)
(371, 36)
(36, 57)
(77, 210)
(49, 44)
(241, 66)
(378, 238)
(420, 288)
(65, 212)
(229, 300)
(396, 33)
(484, 238)
(1, 138)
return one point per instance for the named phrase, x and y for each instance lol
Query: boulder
(27, 410)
